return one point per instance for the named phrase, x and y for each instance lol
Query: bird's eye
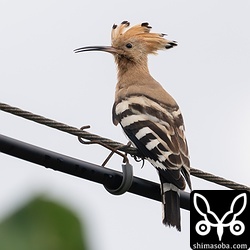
(129, 45)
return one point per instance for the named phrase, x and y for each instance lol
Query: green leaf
(42, 225)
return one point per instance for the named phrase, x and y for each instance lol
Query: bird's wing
(158, 132)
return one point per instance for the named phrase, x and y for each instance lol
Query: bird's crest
(141, 33)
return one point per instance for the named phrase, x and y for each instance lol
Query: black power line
(89, 171)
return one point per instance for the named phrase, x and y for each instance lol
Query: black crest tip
(146, 25)
(171, 45)
(126, 22)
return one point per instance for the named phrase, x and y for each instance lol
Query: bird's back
(155, 128)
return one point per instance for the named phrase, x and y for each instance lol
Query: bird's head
(133, 43)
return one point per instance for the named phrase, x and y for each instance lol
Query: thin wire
(66, 128)
(92, 137)
(218, 180)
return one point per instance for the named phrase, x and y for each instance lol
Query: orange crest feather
(141, 33)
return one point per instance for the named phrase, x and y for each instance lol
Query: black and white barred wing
(158, 132)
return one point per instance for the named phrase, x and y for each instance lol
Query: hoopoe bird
(149, 116)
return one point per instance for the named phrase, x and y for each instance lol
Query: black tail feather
(171, 208)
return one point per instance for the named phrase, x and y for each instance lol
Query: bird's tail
(171, 205)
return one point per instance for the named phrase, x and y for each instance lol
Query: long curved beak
(108, 49)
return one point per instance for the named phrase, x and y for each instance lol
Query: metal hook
(127, 168)
(127, 180)
(113, 150)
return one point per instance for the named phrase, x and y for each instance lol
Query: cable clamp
(127, 180)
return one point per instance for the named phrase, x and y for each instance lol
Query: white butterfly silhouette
(203, 227)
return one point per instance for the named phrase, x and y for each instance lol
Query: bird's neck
(134, 79)
(130, 70)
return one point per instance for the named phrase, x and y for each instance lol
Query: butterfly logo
(210, 219)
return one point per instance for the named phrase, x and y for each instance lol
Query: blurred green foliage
(42, 225)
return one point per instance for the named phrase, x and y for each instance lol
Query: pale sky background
(208, 74)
